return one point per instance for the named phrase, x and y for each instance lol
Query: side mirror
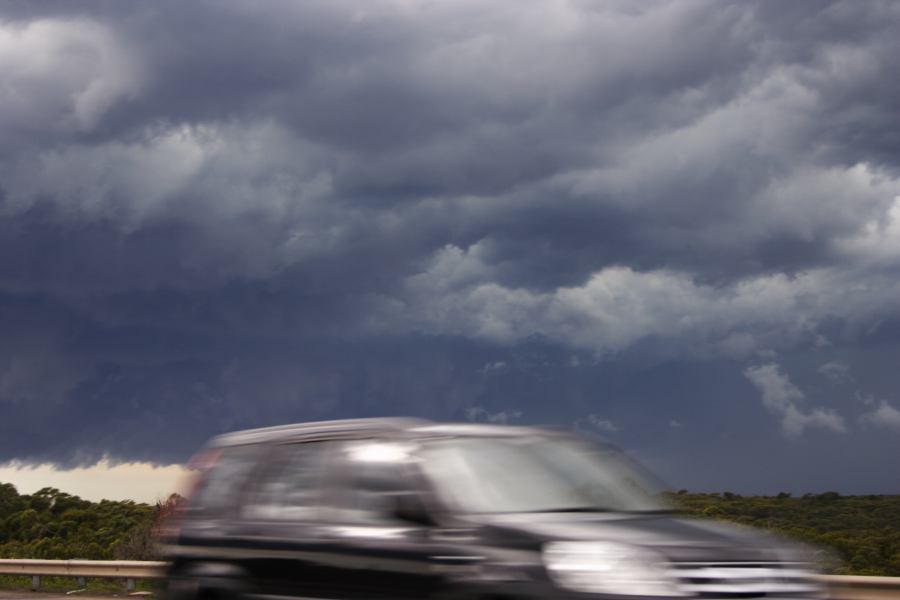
(409, 508)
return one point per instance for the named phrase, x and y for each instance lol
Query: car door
(282, 538)
(378, 554)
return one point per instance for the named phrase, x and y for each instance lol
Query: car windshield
(537, 474)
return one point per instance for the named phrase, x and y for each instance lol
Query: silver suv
(396, 508)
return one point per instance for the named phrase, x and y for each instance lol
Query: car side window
(290, 486)
(372, 475)
(221, 486)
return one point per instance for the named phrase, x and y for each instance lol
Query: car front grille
(746, 580)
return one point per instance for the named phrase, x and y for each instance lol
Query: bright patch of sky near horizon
(142, 482)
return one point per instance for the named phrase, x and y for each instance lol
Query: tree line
(863, 532)
(55, 525)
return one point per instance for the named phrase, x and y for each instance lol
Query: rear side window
(290, 486)
(372, 473)
(221, 485)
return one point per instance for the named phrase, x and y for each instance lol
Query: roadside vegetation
(863, 532)
(55, 525)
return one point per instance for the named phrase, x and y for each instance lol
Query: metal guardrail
(855, 587)
(840, 587)
(129, 570)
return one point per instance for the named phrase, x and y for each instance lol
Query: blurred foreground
(407, 508)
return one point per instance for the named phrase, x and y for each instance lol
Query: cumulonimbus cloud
(186, 185)
(617, 307)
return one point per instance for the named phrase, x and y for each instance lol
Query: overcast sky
(676, 224)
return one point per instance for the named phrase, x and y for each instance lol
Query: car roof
(477, 429)
(401, 426)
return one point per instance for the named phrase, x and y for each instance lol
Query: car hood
(678, 539)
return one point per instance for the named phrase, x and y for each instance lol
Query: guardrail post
(129, 584)
(35, 582)
(80, 582)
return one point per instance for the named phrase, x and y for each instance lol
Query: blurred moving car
(397, 508)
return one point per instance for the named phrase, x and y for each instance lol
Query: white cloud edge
(781, 397)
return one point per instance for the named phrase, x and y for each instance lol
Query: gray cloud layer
(295, 201)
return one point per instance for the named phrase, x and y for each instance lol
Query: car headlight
(609, 568)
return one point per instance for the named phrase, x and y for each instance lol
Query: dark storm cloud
(339, 208)
(627, 125)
